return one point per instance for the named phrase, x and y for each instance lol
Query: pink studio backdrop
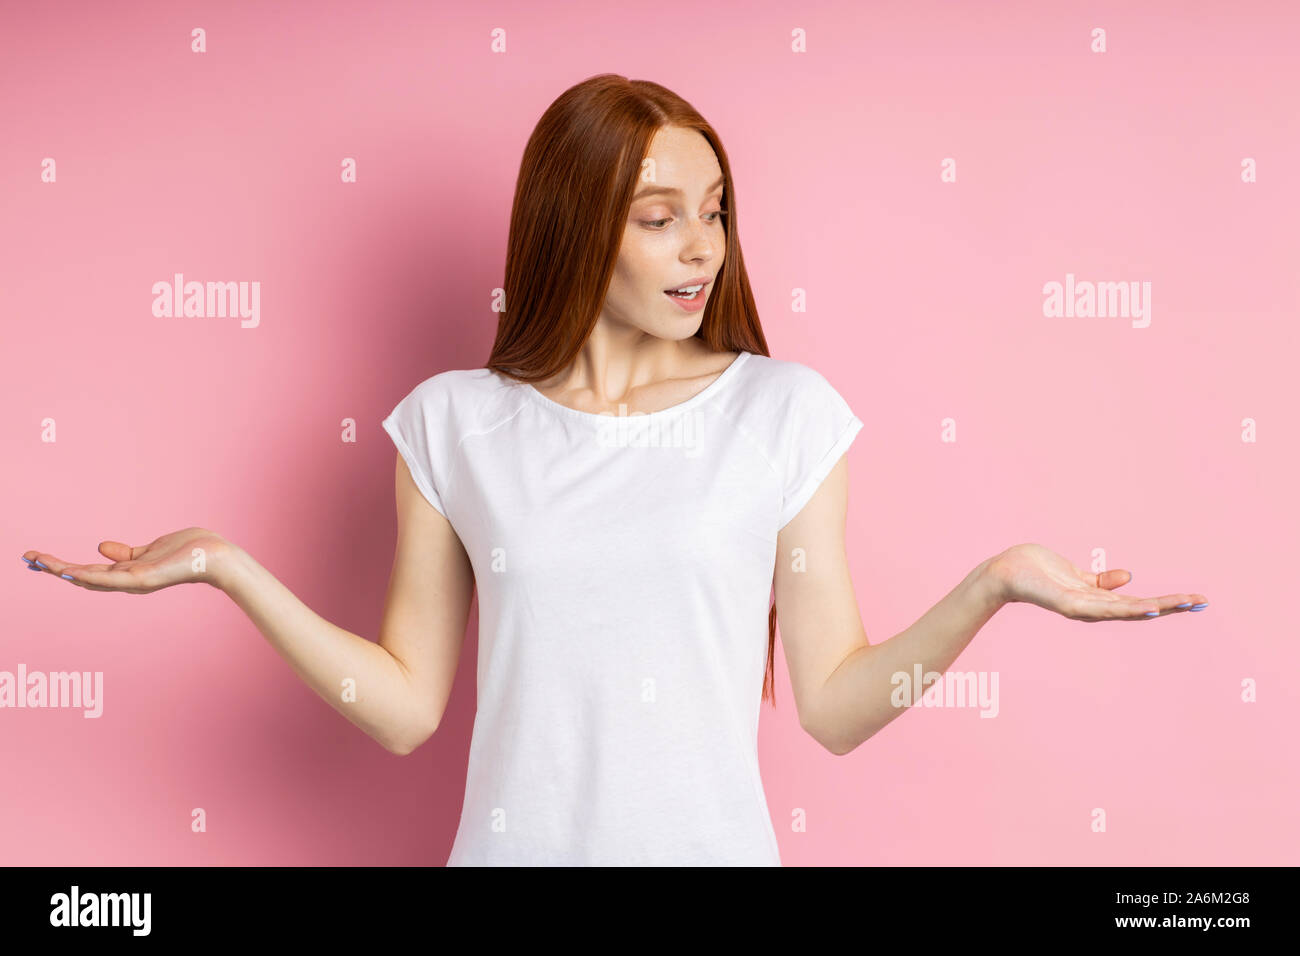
(1168, 445)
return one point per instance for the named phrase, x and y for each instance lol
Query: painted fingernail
(32, 567)
(27, 559)
(1200, 607)
(1152, 613)
(1188, 604)
(68, 576)
(38, 563)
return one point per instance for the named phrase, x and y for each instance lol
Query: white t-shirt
(624, 569)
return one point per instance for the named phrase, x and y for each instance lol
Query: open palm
(1035, 575)
(175, 558)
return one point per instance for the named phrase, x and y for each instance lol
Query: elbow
(402, 746)
(820, 729)
(830, 742)
(838, 748)
(841, 747)
(398, 746)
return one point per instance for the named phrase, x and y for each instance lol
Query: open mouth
(687, 292)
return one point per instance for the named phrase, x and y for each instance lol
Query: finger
(1103, 605)
(88, 576)
(90, 587)
(119, 551)
(102, 577)
(48, 562)
(43, 561)
(1148, 609)
(58, 566)
(1136, 609)
(1178, 603)
(1108, 580)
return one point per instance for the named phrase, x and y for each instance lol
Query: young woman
(625, 483)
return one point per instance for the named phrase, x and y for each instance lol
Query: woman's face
(674, 237)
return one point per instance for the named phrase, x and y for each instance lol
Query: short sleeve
(419, 428)
(820, 431)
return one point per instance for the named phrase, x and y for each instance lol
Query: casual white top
(624, 567)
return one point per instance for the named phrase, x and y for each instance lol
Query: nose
(701, 242)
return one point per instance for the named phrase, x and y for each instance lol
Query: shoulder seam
(754, 442)
(456, 456)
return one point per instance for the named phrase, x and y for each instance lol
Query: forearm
(325, 655)
(857, 699)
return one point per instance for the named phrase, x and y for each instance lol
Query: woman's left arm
(843, 685)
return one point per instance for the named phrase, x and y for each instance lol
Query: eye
(660, 223)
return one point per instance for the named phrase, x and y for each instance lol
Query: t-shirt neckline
(702, 395)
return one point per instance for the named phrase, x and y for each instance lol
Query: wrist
(225, 564)
(991, 583)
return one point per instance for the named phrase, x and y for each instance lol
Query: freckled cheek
(642, 266)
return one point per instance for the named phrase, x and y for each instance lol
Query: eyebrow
(654, 190)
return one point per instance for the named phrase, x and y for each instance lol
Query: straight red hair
(579, 171)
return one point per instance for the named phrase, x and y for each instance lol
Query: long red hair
(577, 177)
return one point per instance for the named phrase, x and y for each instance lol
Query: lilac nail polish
(68, 576)
(1188, 604)
(1153, 613)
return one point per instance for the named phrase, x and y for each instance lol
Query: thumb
(115, 550)
(1112, 579)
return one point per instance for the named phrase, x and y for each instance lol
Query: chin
(677, 329)
(680, 331)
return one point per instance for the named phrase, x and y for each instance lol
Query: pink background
(925, 302)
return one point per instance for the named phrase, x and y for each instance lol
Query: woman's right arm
(403, 682)
(398, 687)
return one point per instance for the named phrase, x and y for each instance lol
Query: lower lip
(690, 305)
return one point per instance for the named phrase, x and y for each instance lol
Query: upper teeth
(689, 288)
